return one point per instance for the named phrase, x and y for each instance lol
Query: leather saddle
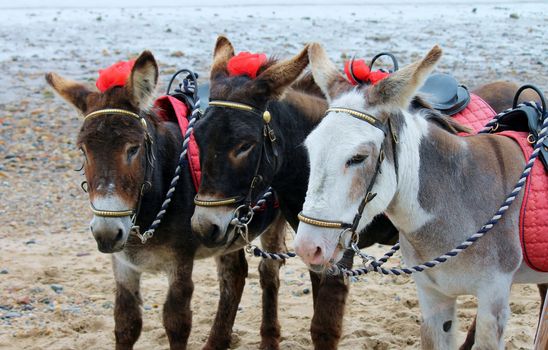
(443, 92)
(527, 117)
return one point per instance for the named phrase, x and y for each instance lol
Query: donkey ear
(143, 80)
(325, 73)
(399, 88)
(73, 92)
(283, 74)
(222, 53)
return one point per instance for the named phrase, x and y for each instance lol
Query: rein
(243, 214)
(190, 90)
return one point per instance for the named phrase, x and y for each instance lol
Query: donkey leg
(177, 315)
(273, 240)
(493, 313)
(470, 336)
(329, 293)
(542, 289)
(232, 272)
(127, 305)
(438, 319)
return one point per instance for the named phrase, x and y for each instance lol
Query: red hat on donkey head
(115, 75)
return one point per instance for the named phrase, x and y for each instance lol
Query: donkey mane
(437, 118)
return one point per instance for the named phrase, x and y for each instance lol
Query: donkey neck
(167, 144)
(294, 117)
(430, 160)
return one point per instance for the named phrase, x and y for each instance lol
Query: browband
(119, 112)
(360, 115)
(243, 107)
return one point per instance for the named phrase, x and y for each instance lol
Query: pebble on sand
(57, 288)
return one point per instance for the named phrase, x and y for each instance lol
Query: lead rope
(371, 264)
(189, 87)
(241, 226)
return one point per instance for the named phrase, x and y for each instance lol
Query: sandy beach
(56, 289)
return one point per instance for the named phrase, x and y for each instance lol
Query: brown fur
(325, 73)
(307, 83)
(231, 272)
(312, 107)
(270, 283)
(500, 94)
(223, 52)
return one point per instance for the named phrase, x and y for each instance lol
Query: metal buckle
(271, 135)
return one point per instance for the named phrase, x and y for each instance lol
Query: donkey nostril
(120, 235)
(215, 233)
(318, 253)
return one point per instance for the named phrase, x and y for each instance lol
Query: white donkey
(436, 187)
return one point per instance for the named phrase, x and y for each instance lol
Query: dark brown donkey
(124, 149)
(235, 152)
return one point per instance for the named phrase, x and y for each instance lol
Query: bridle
(149, 166)
(244, 212)
(387, 130)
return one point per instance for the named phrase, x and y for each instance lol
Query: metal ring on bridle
(248, 216)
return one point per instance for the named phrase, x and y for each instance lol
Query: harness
(149, 166)
(243, 214)
(387, 129)
(189, 88)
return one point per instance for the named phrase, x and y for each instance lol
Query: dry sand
(56, 289)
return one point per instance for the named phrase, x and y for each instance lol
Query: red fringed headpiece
(363, 73)
(246, 63)
(115, 75)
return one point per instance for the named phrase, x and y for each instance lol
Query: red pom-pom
(360, 69)
(246, 63)
(363, 73)
(115, 75)
(376, 76)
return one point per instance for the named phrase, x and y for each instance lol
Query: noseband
(244, 211)
(133, 213)
(387, 129)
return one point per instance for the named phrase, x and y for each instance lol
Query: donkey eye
(357, 159)
(244, 147)
(132, 151)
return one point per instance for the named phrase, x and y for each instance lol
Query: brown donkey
(125, 145)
